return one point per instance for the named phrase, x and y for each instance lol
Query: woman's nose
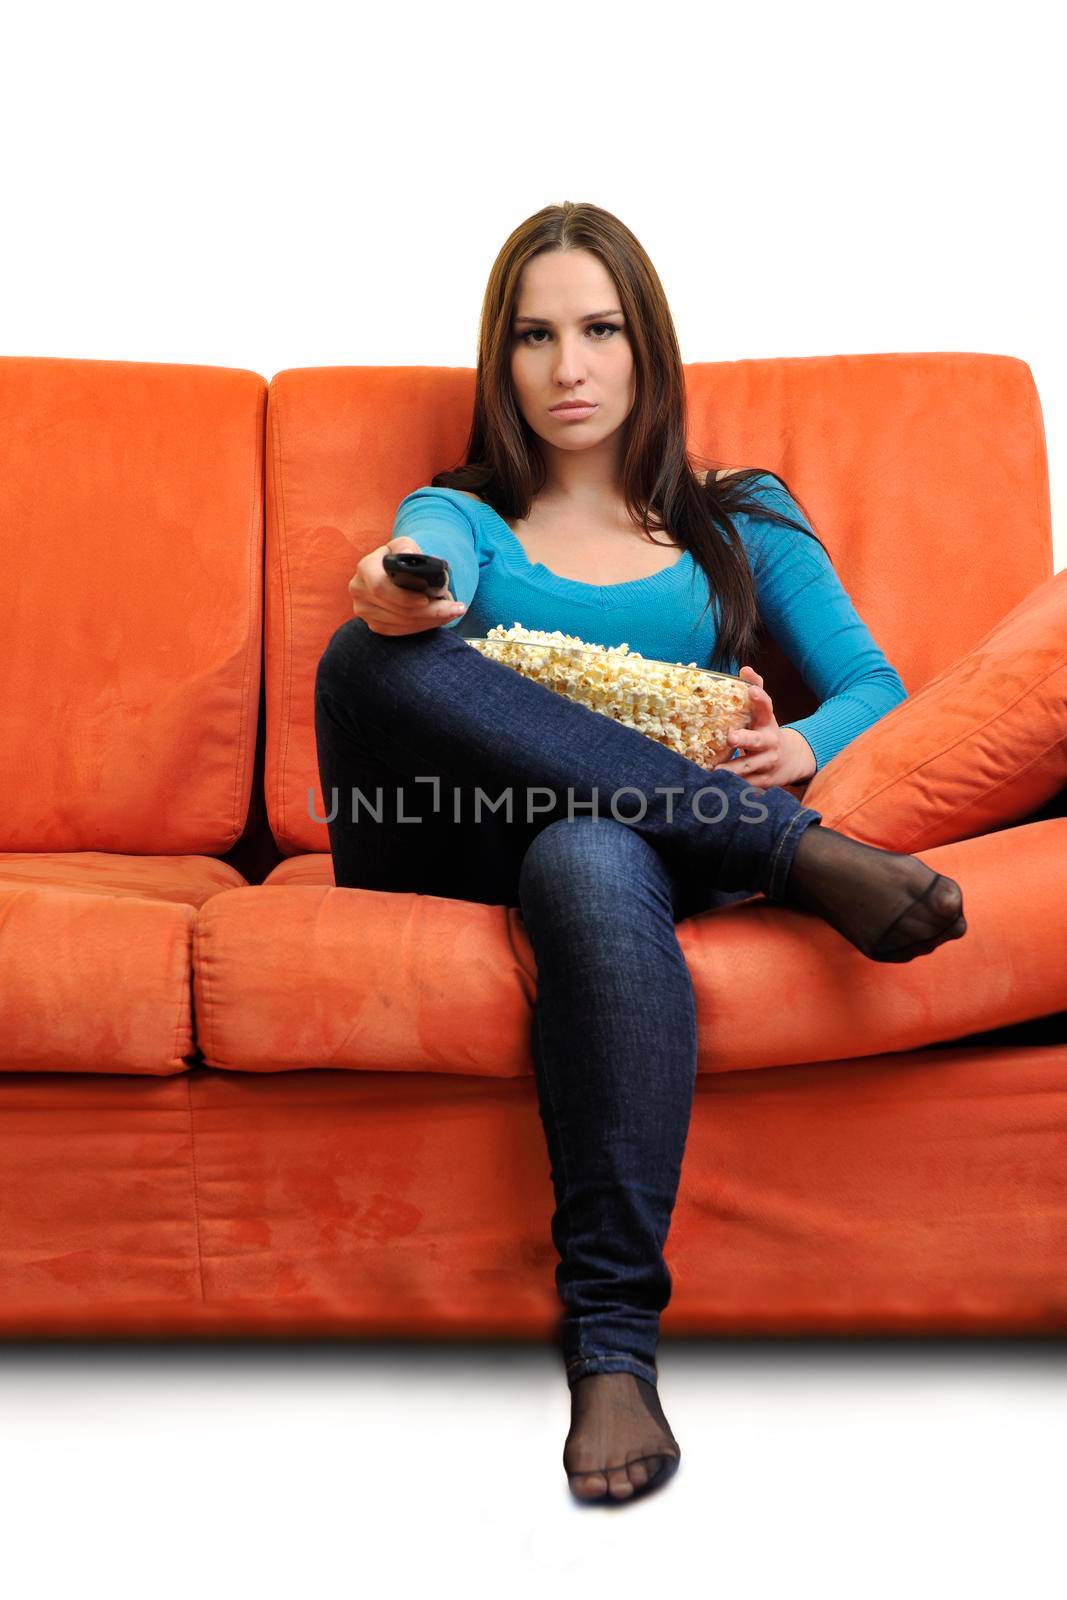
(568, 371)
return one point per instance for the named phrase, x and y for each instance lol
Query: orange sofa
(235, 1099)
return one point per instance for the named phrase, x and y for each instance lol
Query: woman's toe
(948, 900)
(589, 1485)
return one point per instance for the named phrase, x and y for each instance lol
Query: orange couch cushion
(131, 501)
(96, 960)
(296, 974)
(982, 746)
(303, 977)
(775, 985)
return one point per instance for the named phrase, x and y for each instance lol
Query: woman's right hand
(387, 608)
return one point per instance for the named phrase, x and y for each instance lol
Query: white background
(271, 186)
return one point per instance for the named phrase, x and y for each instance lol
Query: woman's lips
(573, 413)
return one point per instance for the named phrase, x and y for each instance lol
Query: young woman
(550, 522)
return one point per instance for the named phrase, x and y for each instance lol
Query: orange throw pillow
(980, 747)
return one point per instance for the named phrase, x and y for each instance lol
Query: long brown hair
(504, 467)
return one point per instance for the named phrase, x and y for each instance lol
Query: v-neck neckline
(652, 580)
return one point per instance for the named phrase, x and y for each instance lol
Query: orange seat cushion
(96, 959)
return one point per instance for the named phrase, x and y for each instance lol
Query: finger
(760, 762)
(402, 606)
(404, 601)
(752, 768)
(751, 743)
(396, 627)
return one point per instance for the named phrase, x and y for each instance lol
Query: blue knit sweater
(801, 601)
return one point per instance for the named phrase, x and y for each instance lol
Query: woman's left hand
(770, 755)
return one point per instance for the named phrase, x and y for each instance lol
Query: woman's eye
(609, 326)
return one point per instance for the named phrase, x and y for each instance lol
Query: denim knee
(583, 856)
(351, 656)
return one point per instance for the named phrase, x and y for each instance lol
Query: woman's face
(561, 352)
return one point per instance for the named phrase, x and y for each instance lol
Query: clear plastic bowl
(688, 709)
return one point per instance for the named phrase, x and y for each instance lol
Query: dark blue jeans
(445, 773)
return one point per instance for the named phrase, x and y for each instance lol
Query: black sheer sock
(620, 1444)
(892, 907)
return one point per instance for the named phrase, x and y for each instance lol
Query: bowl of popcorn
(689, 709)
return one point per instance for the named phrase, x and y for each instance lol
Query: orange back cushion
(130, 604)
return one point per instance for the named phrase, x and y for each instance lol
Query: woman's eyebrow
(545, 323)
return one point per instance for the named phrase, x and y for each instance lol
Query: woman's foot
(620, 1444)
(892, 907)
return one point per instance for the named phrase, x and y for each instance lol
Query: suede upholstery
(982, 745)
(235, 1099)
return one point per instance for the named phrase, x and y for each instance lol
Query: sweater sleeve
(444, 523)
(805, 606)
